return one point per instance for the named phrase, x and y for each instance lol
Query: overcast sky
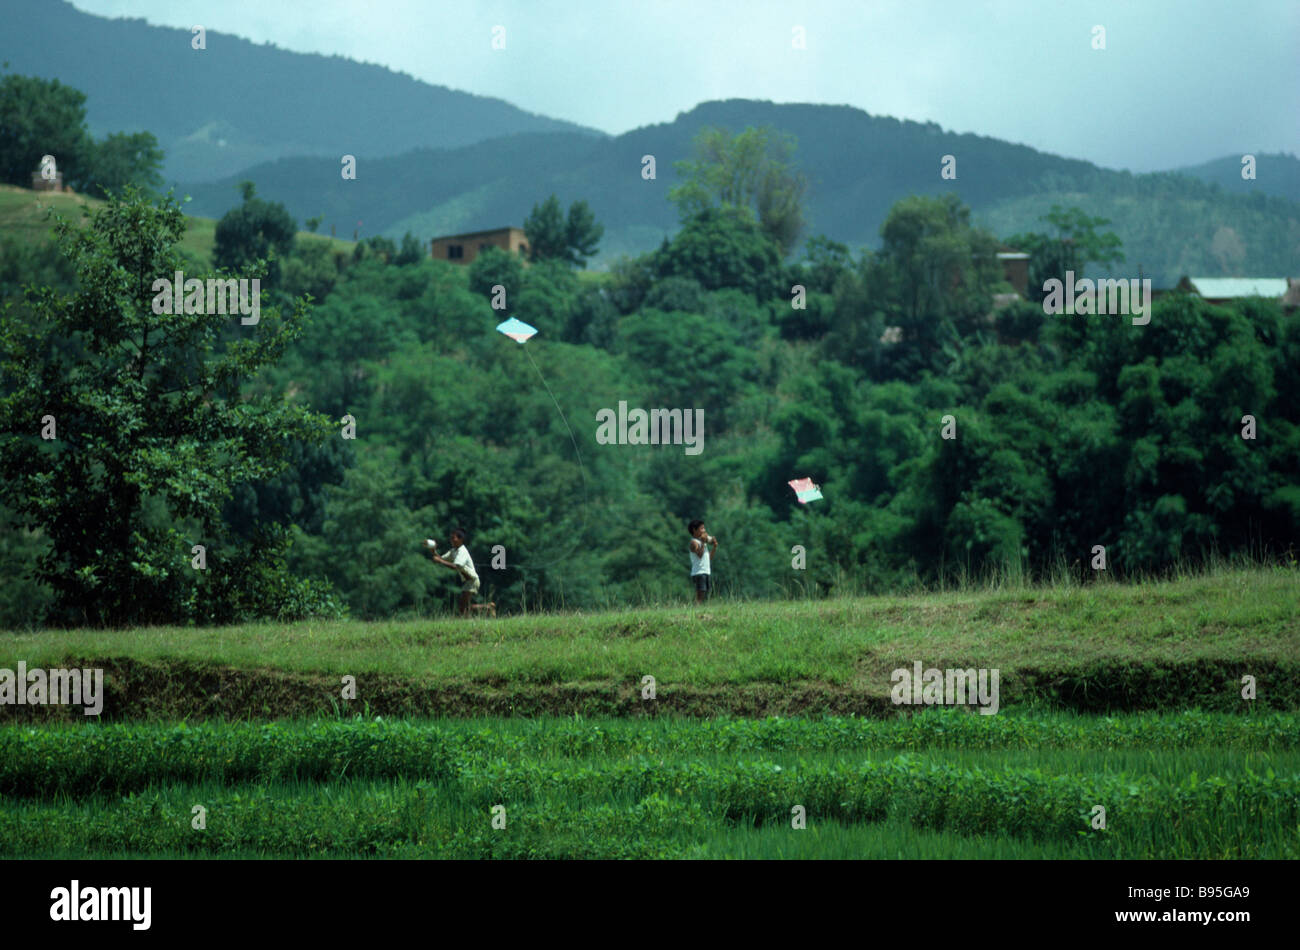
(1180, 81)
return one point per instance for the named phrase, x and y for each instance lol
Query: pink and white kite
(805, 490)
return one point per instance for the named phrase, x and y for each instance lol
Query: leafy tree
(593, 319)
(858, 318)
(689, 360)
(936, 273)
(1072, 246)
(377, 246)
(151, 435)
(676, 293)
(310, 269)
(724, 247)
(23, 602)
(582, 233)
(255, 230)
(552, 237)
(630, 279)
(43, 117)
(495, 266)
(385, 570)
(750, 170)
(825, 261)
(412, 251)
(24, 262)
(124, 158)
(546, 297)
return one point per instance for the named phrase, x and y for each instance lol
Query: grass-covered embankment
(1101, 647)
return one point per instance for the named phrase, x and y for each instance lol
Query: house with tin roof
(1218, 290)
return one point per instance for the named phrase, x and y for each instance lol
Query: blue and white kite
(517, 330)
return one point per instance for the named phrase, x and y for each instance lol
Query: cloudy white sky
(1180, 81)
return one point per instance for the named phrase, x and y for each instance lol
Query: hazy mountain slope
(237, 103)
(1277, 174)
(858, 165)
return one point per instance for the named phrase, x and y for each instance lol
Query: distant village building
(1015, 269)
(40, 183)
(463, 248)
(1219, 290)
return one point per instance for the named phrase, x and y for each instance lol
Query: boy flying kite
(462, 564)
(700, 568)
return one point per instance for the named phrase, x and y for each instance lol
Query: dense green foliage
(123, 432)
(1073, 248)
(552, 236)
(948, 437)
(255, 231)
(40, 117)
(752, 170)
(1070, 431)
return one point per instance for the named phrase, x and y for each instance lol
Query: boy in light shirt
(701, 569)
(462, 564)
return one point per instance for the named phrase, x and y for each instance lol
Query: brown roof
(472, 234)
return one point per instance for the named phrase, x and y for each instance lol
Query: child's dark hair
(464, 535)
(693, 525)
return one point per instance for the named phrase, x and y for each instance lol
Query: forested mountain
(1277, 174)
(237, 103)
(858, 165)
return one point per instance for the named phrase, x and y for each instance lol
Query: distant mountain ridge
(858, 165)
(1276, 174)
(435, 161)
(236, 104)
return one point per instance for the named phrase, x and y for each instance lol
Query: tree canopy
(751, 170)
(40, 117)
(255, 230)
(125, 431)
(552, 236)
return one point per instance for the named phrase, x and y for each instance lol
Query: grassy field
(937, 784)
(1123, 697)
(24, 215)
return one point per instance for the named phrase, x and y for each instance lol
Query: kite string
(581, 468)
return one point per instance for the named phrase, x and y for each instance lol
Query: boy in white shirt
(700, 566)
(462, 564)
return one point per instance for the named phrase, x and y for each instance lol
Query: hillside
(1277, 174)
(236, 103)
(24, 216)
(858, 165)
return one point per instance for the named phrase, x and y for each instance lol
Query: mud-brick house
(463, 248)
(41, 183)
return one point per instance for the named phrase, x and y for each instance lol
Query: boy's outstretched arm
(445, 563)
